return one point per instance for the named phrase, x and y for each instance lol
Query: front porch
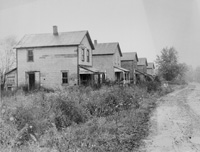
(89, 76)
(122, 75)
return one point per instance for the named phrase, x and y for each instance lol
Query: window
(65, 77)
(83, 55)
(30, 55)
(88, 55)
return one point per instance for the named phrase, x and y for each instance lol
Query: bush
(66, 113)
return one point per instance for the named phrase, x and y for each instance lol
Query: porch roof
(139, 72)
(89, 70)
(120, 69)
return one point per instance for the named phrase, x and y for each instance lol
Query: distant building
(150, 68)
(129, 61)
(56, 60)
(11, 80)
(141, 71)
(107, 58)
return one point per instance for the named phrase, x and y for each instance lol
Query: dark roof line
(10, 71)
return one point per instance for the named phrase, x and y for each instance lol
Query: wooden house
(129, 61)
(55, 60)
(107, 58)
(150, 68)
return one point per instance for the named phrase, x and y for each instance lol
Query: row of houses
(61, 59)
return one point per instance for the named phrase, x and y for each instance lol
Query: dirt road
(175, 125)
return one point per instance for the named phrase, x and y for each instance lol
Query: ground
(175, 124)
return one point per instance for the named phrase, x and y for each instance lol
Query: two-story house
(129, 61)
(55, 59)
(107, 58)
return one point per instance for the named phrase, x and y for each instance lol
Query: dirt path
(175, 125)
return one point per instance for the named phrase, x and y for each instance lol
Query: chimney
(55, 30)
(95, 42)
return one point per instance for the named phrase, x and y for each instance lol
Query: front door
(31, 81)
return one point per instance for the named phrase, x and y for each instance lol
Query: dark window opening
(64, 77)
(83, 54)
(88, 55)
(30, 55)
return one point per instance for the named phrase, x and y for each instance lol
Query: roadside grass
(80, 119)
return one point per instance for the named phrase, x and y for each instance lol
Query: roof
(139, 72)
(49, 39)
(120, 69)
(11, 71)
(142, 61)
(89, 70)
(129, 56)
(150, 65)
(106, 48)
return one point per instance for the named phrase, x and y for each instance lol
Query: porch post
(124, 76)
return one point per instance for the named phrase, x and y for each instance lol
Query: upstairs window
(30, 56)
(88, 55)
(65, 77)
(83, 55)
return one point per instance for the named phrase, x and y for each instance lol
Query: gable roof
(142, 61)
(50, 40)
(129, 56)
(151, 65)
(106, 48)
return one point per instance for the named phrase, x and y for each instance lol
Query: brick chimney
(95, 42)
(55, 30)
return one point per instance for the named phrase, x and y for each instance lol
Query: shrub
(66, 112)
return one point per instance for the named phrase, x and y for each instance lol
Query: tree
(168, 66)
(7, 57)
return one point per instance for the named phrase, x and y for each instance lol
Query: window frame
(28, 56)
(64, 78)
(82, 55)
(88, 55)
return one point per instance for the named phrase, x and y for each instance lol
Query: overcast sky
(142, 26)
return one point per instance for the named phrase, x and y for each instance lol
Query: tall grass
(77, 119)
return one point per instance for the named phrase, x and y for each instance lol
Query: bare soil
(175, 124)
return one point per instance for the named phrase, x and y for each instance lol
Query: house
(55, 60)
(129, 61)
(150, 68)
(11, 80)
(141, 71)
(107, 58)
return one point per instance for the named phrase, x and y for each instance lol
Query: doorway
(31, 81)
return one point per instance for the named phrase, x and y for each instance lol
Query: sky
(142, 26)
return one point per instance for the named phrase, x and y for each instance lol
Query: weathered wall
(105, 64)
(142, 68)
(50, 62)
(86, 44)
(131, 65)
(11, 80)
(150, 71)
(116, 60)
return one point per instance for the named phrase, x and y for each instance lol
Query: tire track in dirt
(175, 125)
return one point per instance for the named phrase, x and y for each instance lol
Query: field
(78, 119)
